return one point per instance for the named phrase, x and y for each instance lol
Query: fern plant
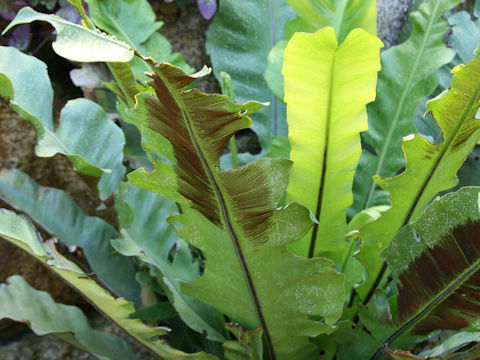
(259, 261)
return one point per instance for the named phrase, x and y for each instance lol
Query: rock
(391, 16)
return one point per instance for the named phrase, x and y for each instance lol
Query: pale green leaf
(19, 232)
(75, 42)
(134, 22)
(151, 238)
(20, 302)
(82, 122)
(57, 213)
(342, 15)
(325, 127)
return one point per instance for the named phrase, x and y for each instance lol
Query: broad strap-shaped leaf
(327, 87)
(134, 22)
(437, 260)
(342, 15)
(76, 42)
(20, 302)
(19, 231)
(25, 83)
(407, 77)
(238, 42)
(58, 213)
(150, 238)
(430, 168)
(231, 217)
(464, 40)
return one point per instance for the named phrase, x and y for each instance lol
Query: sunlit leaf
(75, 42)
(231, 216)
(325, 127)
(430, 168)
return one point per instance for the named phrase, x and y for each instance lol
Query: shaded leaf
(430, 168)
(456, 341)
(151, 238)
(238, 42)
(82, 122)
(78, 5)
(325, 127)
(57, 213)
(436, 259)
(404, 355)
(134, 22)
(75, 42)
(20, 302)
(231, 217)
(131, 20)
(248, 347)
(407, 77)
(343, 16)
(19, 232)
(157, 312)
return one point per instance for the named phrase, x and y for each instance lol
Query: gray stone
(392, 15)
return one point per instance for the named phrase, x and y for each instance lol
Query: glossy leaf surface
(19, 231)
(231, 216)
(20, 302)
(75, 42)
(407, 77)
(238, 42)
(134, 22)
(430, 168)
(57, 213)
(150, 238)
(27, 87)
(437, 260)
(325, 126)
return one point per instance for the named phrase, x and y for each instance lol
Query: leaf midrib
(443, 151)
(400, 104)
(225, 214)
(426, 309)
(321, 190)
